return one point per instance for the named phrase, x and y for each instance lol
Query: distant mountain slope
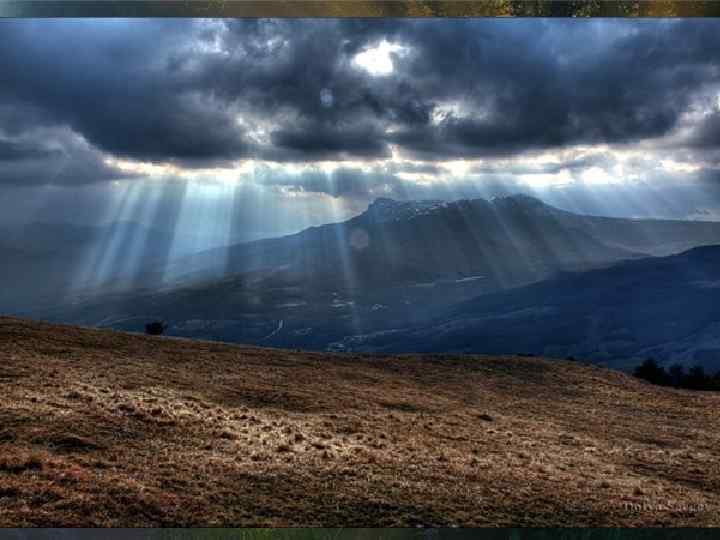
(42, 261)
(365, 281)
(510, 241)
(398, 263)
(101, 428)
(667, 308)
(67, 238)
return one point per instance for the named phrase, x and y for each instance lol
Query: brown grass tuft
(20, 462)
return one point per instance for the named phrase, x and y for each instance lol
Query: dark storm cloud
(707, 135)
(578, 163)
(327, 143)
(343, 182)
(414, 168)
(358, 184)
(540, 84)
(19, 150)
(52, 156)
(522, 85)
(109, 81)
(201, 93)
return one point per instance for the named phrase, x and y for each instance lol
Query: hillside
(101, 428)
(362, 283)
(510, 240)
(667, 308)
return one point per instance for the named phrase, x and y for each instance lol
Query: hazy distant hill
(665, 307)
(42, 261)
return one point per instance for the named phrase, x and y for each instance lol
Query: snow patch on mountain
(384, 210)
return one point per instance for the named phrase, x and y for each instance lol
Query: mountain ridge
(661, 307)
(368, 284)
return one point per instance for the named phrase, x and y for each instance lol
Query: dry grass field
(101, 428)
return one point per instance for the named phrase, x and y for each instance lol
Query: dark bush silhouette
(650, 371)
(694, 379)
(676, 375)
(155, 328)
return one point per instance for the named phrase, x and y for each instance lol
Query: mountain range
(506, 275)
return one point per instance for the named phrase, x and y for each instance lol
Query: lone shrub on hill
(155, 328)
(651, 372)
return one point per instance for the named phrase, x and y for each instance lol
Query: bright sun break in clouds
(377, 61)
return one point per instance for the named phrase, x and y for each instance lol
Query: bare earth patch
(101, 428)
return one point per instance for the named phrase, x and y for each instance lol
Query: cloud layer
(359, 108)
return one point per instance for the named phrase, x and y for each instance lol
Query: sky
(236, 129)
